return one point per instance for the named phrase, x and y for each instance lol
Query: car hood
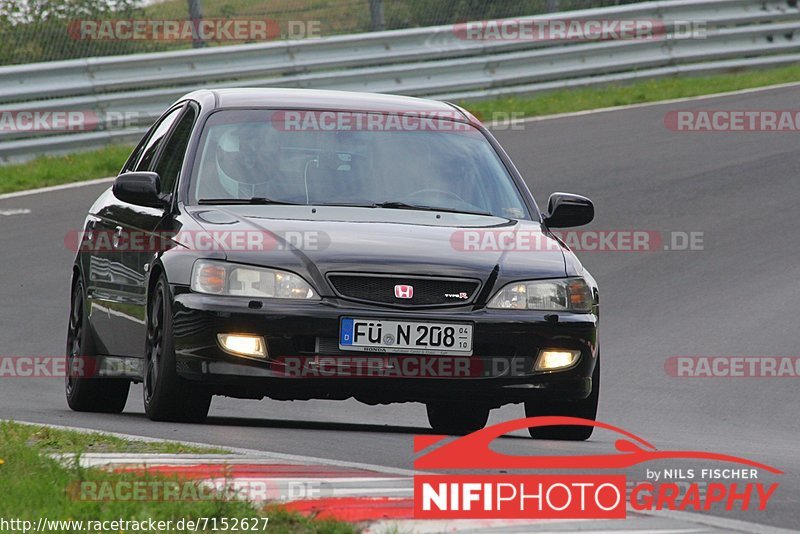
(320, 240)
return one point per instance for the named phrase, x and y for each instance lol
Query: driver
(248, 162)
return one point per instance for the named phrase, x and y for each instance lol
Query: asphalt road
(737, 296)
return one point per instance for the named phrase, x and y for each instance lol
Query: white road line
(20, 211)
(49, 189)
(643, 105)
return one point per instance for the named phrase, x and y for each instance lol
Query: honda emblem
(402, 291)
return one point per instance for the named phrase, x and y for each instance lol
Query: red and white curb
(378, 500)
(343, 492)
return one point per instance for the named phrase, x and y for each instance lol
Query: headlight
(569, 294)
(222, 278)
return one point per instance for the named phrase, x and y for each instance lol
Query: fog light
(243, 345)
(551, 359)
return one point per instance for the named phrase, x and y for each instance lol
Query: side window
(169, 164)
(156, 138)
(130, 165)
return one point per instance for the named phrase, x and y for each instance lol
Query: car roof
(323, 99)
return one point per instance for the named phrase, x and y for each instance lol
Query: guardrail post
(195, 15)
(376, 11)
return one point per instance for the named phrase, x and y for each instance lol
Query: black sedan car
(299, 244)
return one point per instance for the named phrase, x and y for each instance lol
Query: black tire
(88, 394)
(585, 409)
(456, 418)
(167, 396)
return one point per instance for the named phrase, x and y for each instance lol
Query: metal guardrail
(431, 62)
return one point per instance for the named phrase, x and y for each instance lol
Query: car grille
(427, 291)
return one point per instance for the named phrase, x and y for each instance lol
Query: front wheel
(584, 409)
(87, 393)
(456, 418)
(167, 396)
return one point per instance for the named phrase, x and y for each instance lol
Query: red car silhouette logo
(473, 452)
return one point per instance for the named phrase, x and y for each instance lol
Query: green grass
(636, 93)
(35, 485)
(56, 170)
(107, 161)
(334, 16)
(50, 440)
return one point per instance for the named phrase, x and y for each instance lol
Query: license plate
(378, 335)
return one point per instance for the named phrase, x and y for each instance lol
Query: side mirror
(565, 210)
(140, 188)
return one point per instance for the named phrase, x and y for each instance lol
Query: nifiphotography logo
(576, 496)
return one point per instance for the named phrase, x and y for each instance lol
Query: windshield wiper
(405, 206)
(251, 201)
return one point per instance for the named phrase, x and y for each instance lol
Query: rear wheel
(456, 418)
(167, 396)
(584, 408)
(86, 393)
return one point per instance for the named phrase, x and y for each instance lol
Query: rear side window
(150, 148)
(169, 164)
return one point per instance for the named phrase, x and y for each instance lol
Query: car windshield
(352, 159)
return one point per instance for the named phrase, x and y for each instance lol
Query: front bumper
(305, 361)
